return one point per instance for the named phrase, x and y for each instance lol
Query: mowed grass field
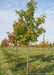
(41, 61)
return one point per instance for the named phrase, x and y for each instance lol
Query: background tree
(53, 44)
(5, 43)
(27, 28)
(50, 45)
(47, 43)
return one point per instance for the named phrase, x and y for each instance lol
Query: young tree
(13, 40)
(53, 44)
(47, 43)
(5, 43)
(27, 28)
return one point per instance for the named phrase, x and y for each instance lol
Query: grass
(41, 61)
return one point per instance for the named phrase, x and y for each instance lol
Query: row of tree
(5, 43)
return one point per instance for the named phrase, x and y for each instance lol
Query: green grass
(41, 61)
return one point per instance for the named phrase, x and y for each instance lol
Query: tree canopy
(27, 28)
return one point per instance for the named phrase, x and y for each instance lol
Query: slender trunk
(42, 50)
(27, 59)
(51, 51)
(16, 56)
(16, 53)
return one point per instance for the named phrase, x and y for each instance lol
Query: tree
(50, 45)
(53, 44)
(47, 43)
(27, 28)
(5, 43)
(11, 37)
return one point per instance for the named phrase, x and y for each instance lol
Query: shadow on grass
(22, 62)
(48, 58)
(36, 57)
(11, 60)
(42, 71)
(47, 68)
(20, 66)
(42, 57)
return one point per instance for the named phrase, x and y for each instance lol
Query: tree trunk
(16, 56)
(27, 59)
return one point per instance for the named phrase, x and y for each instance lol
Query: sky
(8, 16)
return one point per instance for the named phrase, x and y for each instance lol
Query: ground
(41, 61)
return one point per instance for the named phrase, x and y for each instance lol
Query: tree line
(5, 43)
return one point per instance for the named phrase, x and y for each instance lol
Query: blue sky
(7, 16)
